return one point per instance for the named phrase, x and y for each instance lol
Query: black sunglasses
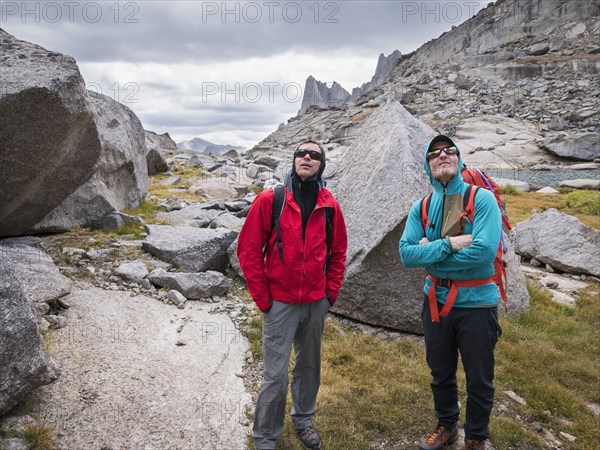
(438, 151)
(313, 154)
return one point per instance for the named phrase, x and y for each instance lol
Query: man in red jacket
(294, 285)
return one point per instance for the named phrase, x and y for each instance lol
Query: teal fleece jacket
(471, 263)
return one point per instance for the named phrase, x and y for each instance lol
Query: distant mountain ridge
(203, 146)
(317, 93)
(508, 84)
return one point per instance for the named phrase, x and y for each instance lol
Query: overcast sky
(229, 72)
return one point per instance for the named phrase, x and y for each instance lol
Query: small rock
(537, 427)
(576, 277)
(552, 284)
(565, 422)
(549, 268)
(132, 271)
(240, 374)
(539, 49)
(73, 251)
(592, 49)
(177, 298)
(63, 303)
(512, 395)
(14, 444)
(535, 263)
(595, 408)
(15, 424)
(44, 325)
(95, 254)
(567, 436)
(91, 270)
(56, 321)
(548, 190)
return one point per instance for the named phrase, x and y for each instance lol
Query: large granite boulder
(188, 248)
(380, 177)
(234, 261)
(158, 146)
(120, 178)
(49, 142)
(516, 292)
(581, 146)
(581, 183)
(560, 240)
(193, 286)
(39, 280)
(24, 362)
(190, 216)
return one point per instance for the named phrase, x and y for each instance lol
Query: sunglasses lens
(433, 154)
(313, 154)
(447, 150)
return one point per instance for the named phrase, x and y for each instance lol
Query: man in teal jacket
(460, 308)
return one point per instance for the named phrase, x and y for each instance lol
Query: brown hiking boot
(474, 444)
(309, 438)
(439, 438)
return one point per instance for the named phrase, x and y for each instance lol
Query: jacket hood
(318, 177)
(457, 180)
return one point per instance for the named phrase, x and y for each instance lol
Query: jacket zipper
(303, 274)
(442, 216)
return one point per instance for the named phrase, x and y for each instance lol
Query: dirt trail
(140, 374)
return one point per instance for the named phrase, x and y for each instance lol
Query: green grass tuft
(509, 189)
(40, 436)
(130, 229)
(147, 210)
(252, 329)
(584, 202)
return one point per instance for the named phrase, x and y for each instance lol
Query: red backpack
(476, 179)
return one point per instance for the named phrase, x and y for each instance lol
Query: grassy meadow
(375, 393)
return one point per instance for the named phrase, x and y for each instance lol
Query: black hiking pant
(474, 332)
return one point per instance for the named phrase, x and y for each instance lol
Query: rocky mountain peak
(517, 85)
(384, 66)
(319, 94)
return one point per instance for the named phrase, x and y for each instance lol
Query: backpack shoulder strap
(328, 212)
(469, 202)
(278, 205)
(425, 202)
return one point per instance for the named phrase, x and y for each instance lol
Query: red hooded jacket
(300, 277)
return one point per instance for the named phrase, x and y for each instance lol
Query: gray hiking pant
(284, 325)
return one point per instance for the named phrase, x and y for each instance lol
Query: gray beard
(444, 176)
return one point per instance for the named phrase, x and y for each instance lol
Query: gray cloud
(188, 31)
(154, 43)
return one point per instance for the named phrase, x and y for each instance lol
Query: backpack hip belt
(453, 285)
(500, 277)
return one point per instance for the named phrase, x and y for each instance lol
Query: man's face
(444, 167)
(305, 166)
